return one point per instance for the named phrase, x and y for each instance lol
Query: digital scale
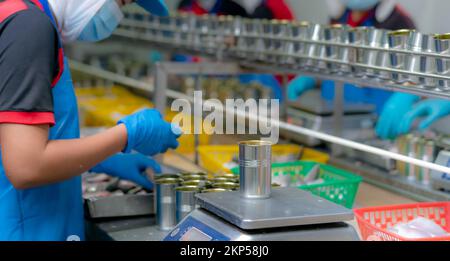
(312, 112)
(290, 214)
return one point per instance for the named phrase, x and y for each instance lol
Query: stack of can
(418, 147)
(175, 194)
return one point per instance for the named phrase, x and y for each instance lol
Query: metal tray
(119, 206)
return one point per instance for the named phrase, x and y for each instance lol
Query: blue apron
(353, 94)
(52, 212)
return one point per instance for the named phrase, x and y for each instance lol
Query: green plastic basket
(339, 186)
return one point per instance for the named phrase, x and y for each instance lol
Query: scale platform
(285, 208)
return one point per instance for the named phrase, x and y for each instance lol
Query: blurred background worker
(42, 153)
(255, 9)
(393, 109)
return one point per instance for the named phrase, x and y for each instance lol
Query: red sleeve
(280, 9)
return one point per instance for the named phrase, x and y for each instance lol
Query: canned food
(185, 201)
(398, 40)
(419, 42)
(442, 45)
(165, 203)
(300, 32)
(255, 169)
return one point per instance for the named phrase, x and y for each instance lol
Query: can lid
(188, 189)
(255, 143)
(401, 32)
(214, 190)
(168, 181)
(442, 36)
(226, 185)
(165, 176)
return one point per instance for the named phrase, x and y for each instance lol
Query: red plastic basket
(373, 222)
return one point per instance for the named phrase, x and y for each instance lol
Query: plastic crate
(339, 186)
(373, 222)
(214, 158)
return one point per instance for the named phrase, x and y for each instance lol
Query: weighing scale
(290, 214)
(313, 112)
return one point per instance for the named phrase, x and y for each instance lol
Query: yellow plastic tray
(216, 158)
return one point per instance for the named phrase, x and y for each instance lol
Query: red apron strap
(10, 7)
(38, 4)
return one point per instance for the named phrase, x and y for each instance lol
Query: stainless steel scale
(290, 214)
(312, 112)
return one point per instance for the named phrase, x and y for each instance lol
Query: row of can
(418, 147)
(360, 51)
(175, 194)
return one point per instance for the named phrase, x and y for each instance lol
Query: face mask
(249, 5)
(103, 24)
(72, 16)
(360, 5)
(207, 4)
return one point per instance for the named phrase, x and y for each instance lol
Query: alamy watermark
(236, 116)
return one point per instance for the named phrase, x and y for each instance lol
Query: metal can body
(255, 169)
(429, 154)
(165, 202)
(421, 64)
(375, 38)
(442, 45)
(185, 201)
(399, 40)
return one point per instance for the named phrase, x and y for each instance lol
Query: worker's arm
(31, 160)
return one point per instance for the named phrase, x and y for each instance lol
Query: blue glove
(149, 134)
(393, 111)
(130, 167)
(432, 109)
(300, 85)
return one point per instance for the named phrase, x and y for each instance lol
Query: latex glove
(300, 85)
(432, 109)
(129, 167)
(393, 111)
(149, 134)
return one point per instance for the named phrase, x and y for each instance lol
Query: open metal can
(185, 200)
(255, 169)
(165, 203)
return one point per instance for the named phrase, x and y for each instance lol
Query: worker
(385, 14)
(258, 9)
(42, 153)
(255, 9)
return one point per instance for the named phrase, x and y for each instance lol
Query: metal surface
(120, 206)
(201, 225)
(286, 207)
(255, 169)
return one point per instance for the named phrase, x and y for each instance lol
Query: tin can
(226, 185)
(442, 45)
(313, 49)
(167, 176)
(299, 32)
(402, 147)
(429, 155)
(398, 40)
(412, 152)
(332, 34)
(419, 42)
(255, 169)
(185, 201)
(357, 36)
(376, 38)
(165, 202)
(222, 179)
(281, 29)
